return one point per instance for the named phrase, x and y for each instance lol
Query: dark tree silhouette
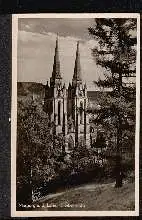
(116, 53)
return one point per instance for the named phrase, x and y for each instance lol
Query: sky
(36, 46)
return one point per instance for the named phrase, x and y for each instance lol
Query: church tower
(79, 104)
(55, 103)
(67, 108)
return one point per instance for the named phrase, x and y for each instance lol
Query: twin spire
(56, 66)
(77, 67)
(56, 74)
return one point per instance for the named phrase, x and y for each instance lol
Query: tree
(116, 54)
(40, 156)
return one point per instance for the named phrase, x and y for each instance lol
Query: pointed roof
(56, 66)
(77, 67)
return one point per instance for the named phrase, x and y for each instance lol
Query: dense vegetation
(41, 158)
(42, 164)
(116, 54)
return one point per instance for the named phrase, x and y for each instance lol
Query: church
(67, 107)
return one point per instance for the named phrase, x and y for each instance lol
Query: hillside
(97, 197)
(28, 88)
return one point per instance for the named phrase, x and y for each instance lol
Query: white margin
(15, 213)
(137, 127)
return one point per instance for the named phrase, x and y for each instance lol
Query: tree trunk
(118, 157)
(119, 141)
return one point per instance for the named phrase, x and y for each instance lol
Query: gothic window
(81, 113)
(59, 113)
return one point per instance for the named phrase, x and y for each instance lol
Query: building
(66, 107)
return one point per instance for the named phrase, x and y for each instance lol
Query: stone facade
(66, 107)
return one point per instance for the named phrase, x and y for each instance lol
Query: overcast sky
(36, 46)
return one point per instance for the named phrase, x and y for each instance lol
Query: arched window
(81, 113)
(59, 113)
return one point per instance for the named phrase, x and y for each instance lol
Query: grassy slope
(101, 197)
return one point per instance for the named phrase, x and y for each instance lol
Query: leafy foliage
(37, 153)
(41, 156)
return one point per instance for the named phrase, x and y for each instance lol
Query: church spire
(77, 67)
(56, 66)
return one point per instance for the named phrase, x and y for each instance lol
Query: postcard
(75, 114)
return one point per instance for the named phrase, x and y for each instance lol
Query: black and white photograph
(75, 115)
